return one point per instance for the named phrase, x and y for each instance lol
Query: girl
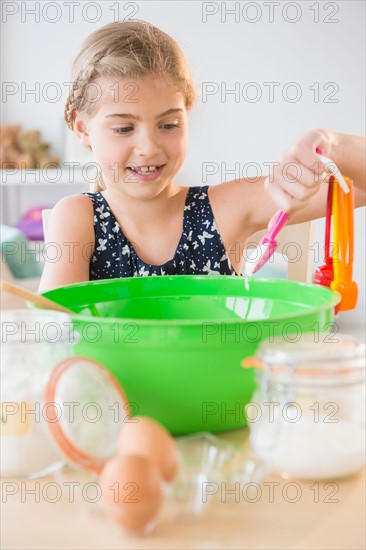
(130, 100)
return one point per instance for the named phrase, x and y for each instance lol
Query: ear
(81, 130)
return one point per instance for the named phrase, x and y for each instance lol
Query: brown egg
(145, 437)
(131, 491)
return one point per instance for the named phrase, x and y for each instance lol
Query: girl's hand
(300, 172)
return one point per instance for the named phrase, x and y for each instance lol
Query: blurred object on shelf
(23, 259)
(31, 223)
(24, 150)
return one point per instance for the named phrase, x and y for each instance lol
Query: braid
(76, 100)
(69, 110)
(77, 95)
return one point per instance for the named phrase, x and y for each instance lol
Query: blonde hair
(125, 49)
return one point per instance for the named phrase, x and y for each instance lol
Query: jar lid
(85, 408)
(313, 354)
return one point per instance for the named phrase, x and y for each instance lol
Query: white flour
(310, 450)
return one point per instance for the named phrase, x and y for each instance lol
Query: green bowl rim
(336, 299)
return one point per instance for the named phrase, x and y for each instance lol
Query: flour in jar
(311, 450)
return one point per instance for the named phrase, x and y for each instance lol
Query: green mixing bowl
(175, 343)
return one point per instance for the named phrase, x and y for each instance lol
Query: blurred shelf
(22, 189)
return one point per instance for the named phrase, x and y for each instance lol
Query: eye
(170, 126)
(123, 130)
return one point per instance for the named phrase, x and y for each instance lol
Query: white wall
(321, 49)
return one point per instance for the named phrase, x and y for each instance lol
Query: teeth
(145, 169)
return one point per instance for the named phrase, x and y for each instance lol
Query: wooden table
(287, 515)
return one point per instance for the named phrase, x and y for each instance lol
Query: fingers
(299, 180)
(316, 139)
(284, 200)
(299, 173)
(293, 184)
(305, 157)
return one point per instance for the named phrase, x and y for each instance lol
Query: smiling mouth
(145, 169)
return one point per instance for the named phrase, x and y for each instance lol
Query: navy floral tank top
(200, 250)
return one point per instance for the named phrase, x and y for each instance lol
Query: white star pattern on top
(200, 250)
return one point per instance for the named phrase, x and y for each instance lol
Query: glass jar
(307, 416)
(32, 343)
(55, 407)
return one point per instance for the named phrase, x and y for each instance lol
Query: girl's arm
(70, 243)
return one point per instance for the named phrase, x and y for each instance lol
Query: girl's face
(138, 135)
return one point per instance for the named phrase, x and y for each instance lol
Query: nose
(147, 144)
